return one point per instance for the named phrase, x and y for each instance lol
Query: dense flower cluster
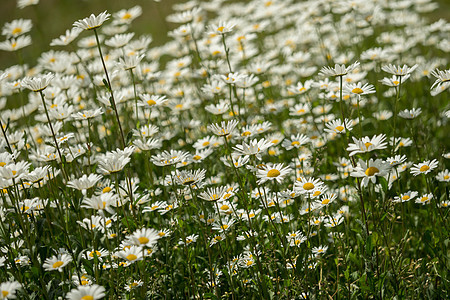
(288, 149)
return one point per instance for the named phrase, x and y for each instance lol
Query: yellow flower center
(196, 157)
(368, 144)
(423, 199)
(5, 293)
(406, 197)
(246, 133)
(143, 240)
(371, 171)
(161, 234)
(249, 263)
(316, 193)
(87, 297)
(295, 143)
(308, 186)
(221, 28)
(273, 173)
(357, 91)
(106, 190)
(325, 201)
(126, 16)
(224, 226)
(2, 163)
(179, 106)
(131, 257)
(424, 168)
(57, 264)
(224, 207)
(16, 30)
(339, 128)
(395, 82)
(151, 102)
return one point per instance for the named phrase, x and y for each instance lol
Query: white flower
(338, 70)
(92, 21)
(8, 289)
(399, 70)
(37, 84)
(370, 170)
(367, 144)
(424, 167)
(91, 292)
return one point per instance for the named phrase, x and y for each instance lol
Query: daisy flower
(296, 238)
(307, 185)
(367, 144)
(443, 176)
(405, 197)
(399, 70)
(410, 114)
(394, 81)
(272, 172)
(92, 22)
(67, 38)
(359, 89)
(131, 254)
(167, 158)
(222, 28)
(16, 28)
(15, 44)
(85, 182)
(86, 292)
(424, 167)
(152, 100)
(126, 16)
(396, 160)
(188, 240)
(254, 147)
(424, 199)
(37, 84)
(319, 250)
(145, 237)
(224, 128)
(8, 289)
(338, 70)
(442, 79)
(337, 126)
(99, 253)
(369, 171)
(295, 141)
(57, 262)
(189, 178)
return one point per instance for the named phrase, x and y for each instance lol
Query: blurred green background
(51, 18)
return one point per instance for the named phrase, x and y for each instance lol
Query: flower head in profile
(222, 28)
(338, 70)
(359, 89)
(410, 113)
(37, 84)
(67, 38)
(399, 70)
(92, 22)
(224, 128)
